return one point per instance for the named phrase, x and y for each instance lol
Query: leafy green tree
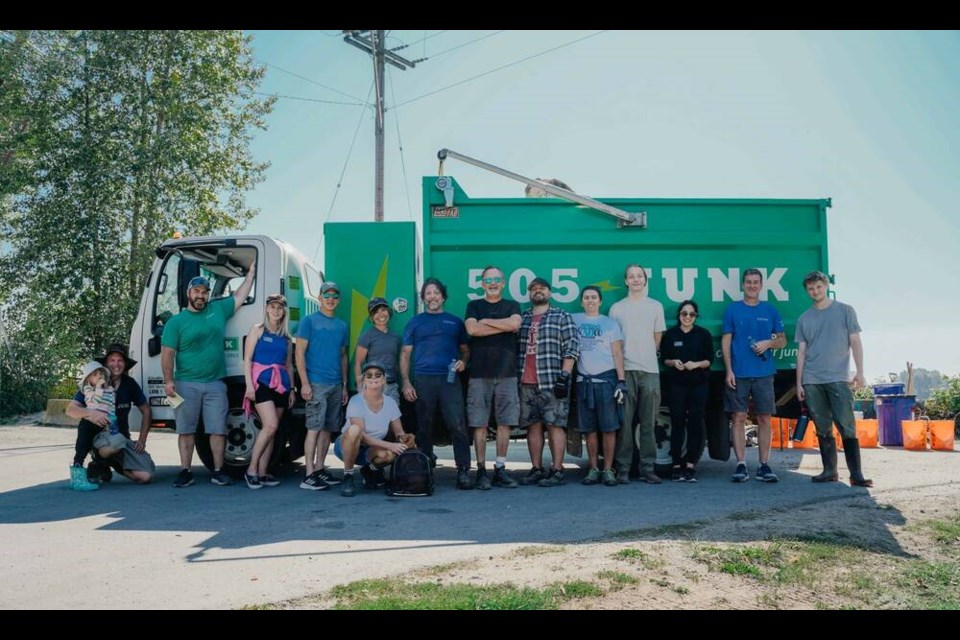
(113, 140)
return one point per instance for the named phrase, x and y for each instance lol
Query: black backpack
(410, 475)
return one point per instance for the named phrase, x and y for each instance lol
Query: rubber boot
(78, 479)
(828, 454)
(851, 450)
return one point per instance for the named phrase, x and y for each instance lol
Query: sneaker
(219, 478)
(533, 477)
(370, 479)
(689, 474)
(252, 481)
(483, 481)
(609, 478)
(327, 477)
(313, 483)
(677, 474)
(463, 480)
(502, 479)
(269, 480)
(347, 489)
(741, 474)
(623, 477)
(650, 477)
(554, 478)
(184, 479)
(593, 476)
(766, 474)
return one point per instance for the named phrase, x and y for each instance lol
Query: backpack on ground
(410, 475)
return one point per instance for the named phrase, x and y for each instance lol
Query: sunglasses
(688, 314)
(493, 280)
(371, 376)
(329, 296)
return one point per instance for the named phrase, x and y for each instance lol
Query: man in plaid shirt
(549, 346)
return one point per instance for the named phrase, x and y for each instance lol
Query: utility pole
(373, 42)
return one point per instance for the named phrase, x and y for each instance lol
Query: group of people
(522, 366)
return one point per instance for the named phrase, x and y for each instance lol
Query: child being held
(98, 393)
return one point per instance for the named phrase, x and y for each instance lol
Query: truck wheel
(241, 434)
(718, 433)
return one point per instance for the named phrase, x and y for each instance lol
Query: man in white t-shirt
(371, 415)
(641, 321)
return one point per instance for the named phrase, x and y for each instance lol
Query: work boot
(483, 480)
(502, 479)
(828, 454)
(463, 480)
(851, 451)
(78, 479)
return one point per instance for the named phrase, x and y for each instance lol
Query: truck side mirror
(153, 346)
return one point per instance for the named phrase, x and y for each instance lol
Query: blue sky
(865, 118)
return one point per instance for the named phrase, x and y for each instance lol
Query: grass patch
(396, 594)
(754, 562)
(636, 556)
(536, 550)
(617, 578)
(681, 590)
(931, 585)
(945, 532)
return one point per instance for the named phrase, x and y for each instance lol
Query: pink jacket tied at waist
(276, 382)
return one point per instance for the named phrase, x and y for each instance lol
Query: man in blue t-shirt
(751, 329)
(437, 342)
(321, 355)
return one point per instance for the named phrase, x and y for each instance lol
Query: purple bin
(891, 411)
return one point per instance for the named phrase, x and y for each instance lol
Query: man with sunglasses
(436, 342)
(321, 356)
(492, 323)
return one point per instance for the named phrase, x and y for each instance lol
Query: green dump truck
(691, 248)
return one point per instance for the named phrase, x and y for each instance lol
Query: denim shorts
(761, 389)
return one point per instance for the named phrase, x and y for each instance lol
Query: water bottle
(753, 343)
(114, 426)
(801, 429)
(452, 371)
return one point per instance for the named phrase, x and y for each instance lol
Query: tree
(114, 140)
(924, 381)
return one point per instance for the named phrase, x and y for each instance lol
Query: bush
(944, 403)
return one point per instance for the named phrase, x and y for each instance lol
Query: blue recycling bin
(889, 389)
(891, 411)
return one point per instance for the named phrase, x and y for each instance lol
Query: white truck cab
(224, 260)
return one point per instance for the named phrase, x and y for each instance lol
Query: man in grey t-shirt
(827, 333)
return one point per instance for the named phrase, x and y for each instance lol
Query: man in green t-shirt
(194, 338)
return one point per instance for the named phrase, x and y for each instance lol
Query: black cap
(372, 364)
(375, 303)
(540, 281)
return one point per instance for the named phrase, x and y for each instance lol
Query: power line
(403, 163)
(342, 172)
(500, 68)
(460, 46)
(423, 39)
(319, 84)
(289, 97)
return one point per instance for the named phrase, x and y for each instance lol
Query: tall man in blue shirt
(437, 342)
(751, 329)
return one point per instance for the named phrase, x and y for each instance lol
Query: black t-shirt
(493, 356)
(129, 394)
(694, 346)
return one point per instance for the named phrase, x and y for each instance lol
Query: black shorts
(266, 394)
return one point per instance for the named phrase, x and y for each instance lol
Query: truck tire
(718, 432)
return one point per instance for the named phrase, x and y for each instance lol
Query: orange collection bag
(868, 433)
(941, 435)
(914, 434)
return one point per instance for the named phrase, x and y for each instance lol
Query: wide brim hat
(117, 347)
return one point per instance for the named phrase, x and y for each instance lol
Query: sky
(865, 118)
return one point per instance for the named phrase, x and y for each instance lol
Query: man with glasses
(827, 333)
(641, 321)
(321, 356)
(193, 339)
(436, 341)
(492, 323)
(751, 329)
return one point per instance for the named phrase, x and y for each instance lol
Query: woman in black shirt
(687, 352)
